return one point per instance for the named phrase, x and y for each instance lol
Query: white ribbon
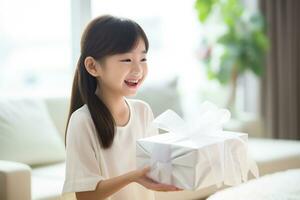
(161, 163)
(208, 123)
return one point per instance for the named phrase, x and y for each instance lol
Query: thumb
(145, 170)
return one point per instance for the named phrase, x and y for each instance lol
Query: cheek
(118, 77)
(117, 73)
(145, 70)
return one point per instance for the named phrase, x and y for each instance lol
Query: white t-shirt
(87, 163)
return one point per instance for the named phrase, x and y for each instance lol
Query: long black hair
(104, 36)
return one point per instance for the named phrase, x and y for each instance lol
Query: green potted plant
(243, 42)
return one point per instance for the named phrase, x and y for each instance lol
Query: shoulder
(80, 122)
(81, 115)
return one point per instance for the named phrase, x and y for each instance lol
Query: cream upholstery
(46, 181)
(283, 185)
(275, 155)
(58, 109)
(27, 133)
(14, 181)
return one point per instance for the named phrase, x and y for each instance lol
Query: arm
(108, 187)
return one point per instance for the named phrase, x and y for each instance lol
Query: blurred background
(241, 55)
(40, 47)
(205, 50)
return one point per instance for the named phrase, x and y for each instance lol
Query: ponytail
(83, 92)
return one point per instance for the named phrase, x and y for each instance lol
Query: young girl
(103, 125)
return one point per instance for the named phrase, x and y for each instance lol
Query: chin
(130, 94)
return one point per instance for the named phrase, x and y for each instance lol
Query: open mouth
(132, 83)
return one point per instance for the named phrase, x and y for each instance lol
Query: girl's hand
(141, 178)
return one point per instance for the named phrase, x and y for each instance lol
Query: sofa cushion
(58, 109)
(273, 155)
(47, 181)
(281, 185)
(27, 134)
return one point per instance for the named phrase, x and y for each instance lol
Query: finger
(156, 186)
(146, 169)
(172, 188)
(153, 185)
(142, 172)
(165, 187)
(160, 189)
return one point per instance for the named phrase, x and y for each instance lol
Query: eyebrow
(143, 52)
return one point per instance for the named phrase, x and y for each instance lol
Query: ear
(92, 66)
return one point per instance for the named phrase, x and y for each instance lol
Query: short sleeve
(151, 129)
(82, 167)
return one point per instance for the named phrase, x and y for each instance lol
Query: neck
(117, 106)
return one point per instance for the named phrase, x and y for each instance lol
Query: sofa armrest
(15, 181)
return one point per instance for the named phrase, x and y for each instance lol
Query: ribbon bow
(208, 123)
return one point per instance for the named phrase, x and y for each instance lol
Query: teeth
(132, 81)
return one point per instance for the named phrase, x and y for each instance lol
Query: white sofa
(23, 182)
(283, 185)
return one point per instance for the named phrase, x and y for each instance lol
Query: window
(171, 30)
(39, 47)
(35, 53)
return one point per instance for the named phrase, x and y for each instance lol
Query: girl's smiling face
(122, 74)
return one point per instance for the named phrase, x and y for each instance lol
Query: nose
(137, 69)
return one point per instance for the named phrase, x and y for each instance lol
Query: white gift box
(194, 158)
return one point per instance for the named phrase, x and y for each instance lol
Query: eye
(144, 60)
(125, 60)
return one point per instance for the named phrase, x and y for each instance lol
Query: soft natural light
(40, 46)
(35, 47)
(171, 27)
(174, 34)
